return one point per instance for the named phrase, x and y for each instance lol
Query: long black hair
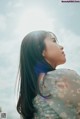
(31, 50)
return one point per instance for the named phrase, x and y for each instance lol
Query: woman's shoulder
(60, 79)
(61, 73)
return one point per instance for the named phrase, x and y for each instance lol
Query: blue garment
(42, 67)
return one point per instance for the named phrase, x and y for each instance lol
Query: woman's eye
(54, 41)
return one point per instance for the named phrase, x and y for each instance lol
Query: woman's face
(53, 52)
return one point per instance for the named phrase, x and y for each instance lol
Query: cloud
(9, 107)
(19, 4)
(2, 23)
(71, 43)
(34, 19)
(15, 4)
(9, 58)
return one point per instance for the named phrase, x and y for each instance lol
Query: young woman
(46, 92)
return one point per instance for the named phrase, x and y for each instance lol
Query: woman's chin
(64, 61)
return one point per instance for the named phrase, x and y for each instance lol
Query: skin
(53, 53)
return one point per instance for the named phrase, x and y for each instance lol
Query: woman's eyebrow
(53, 38)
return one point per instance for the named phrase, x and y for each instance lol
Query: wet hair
(31, 50)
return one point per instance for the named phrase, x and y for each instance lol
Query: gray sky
(17, 18)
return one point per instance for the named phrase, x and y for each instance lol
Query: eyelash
(54, 41)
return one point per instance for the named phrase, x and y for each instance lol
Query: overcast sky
(17, 18)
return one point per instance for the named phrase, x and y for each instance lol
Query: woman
(46, 92)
